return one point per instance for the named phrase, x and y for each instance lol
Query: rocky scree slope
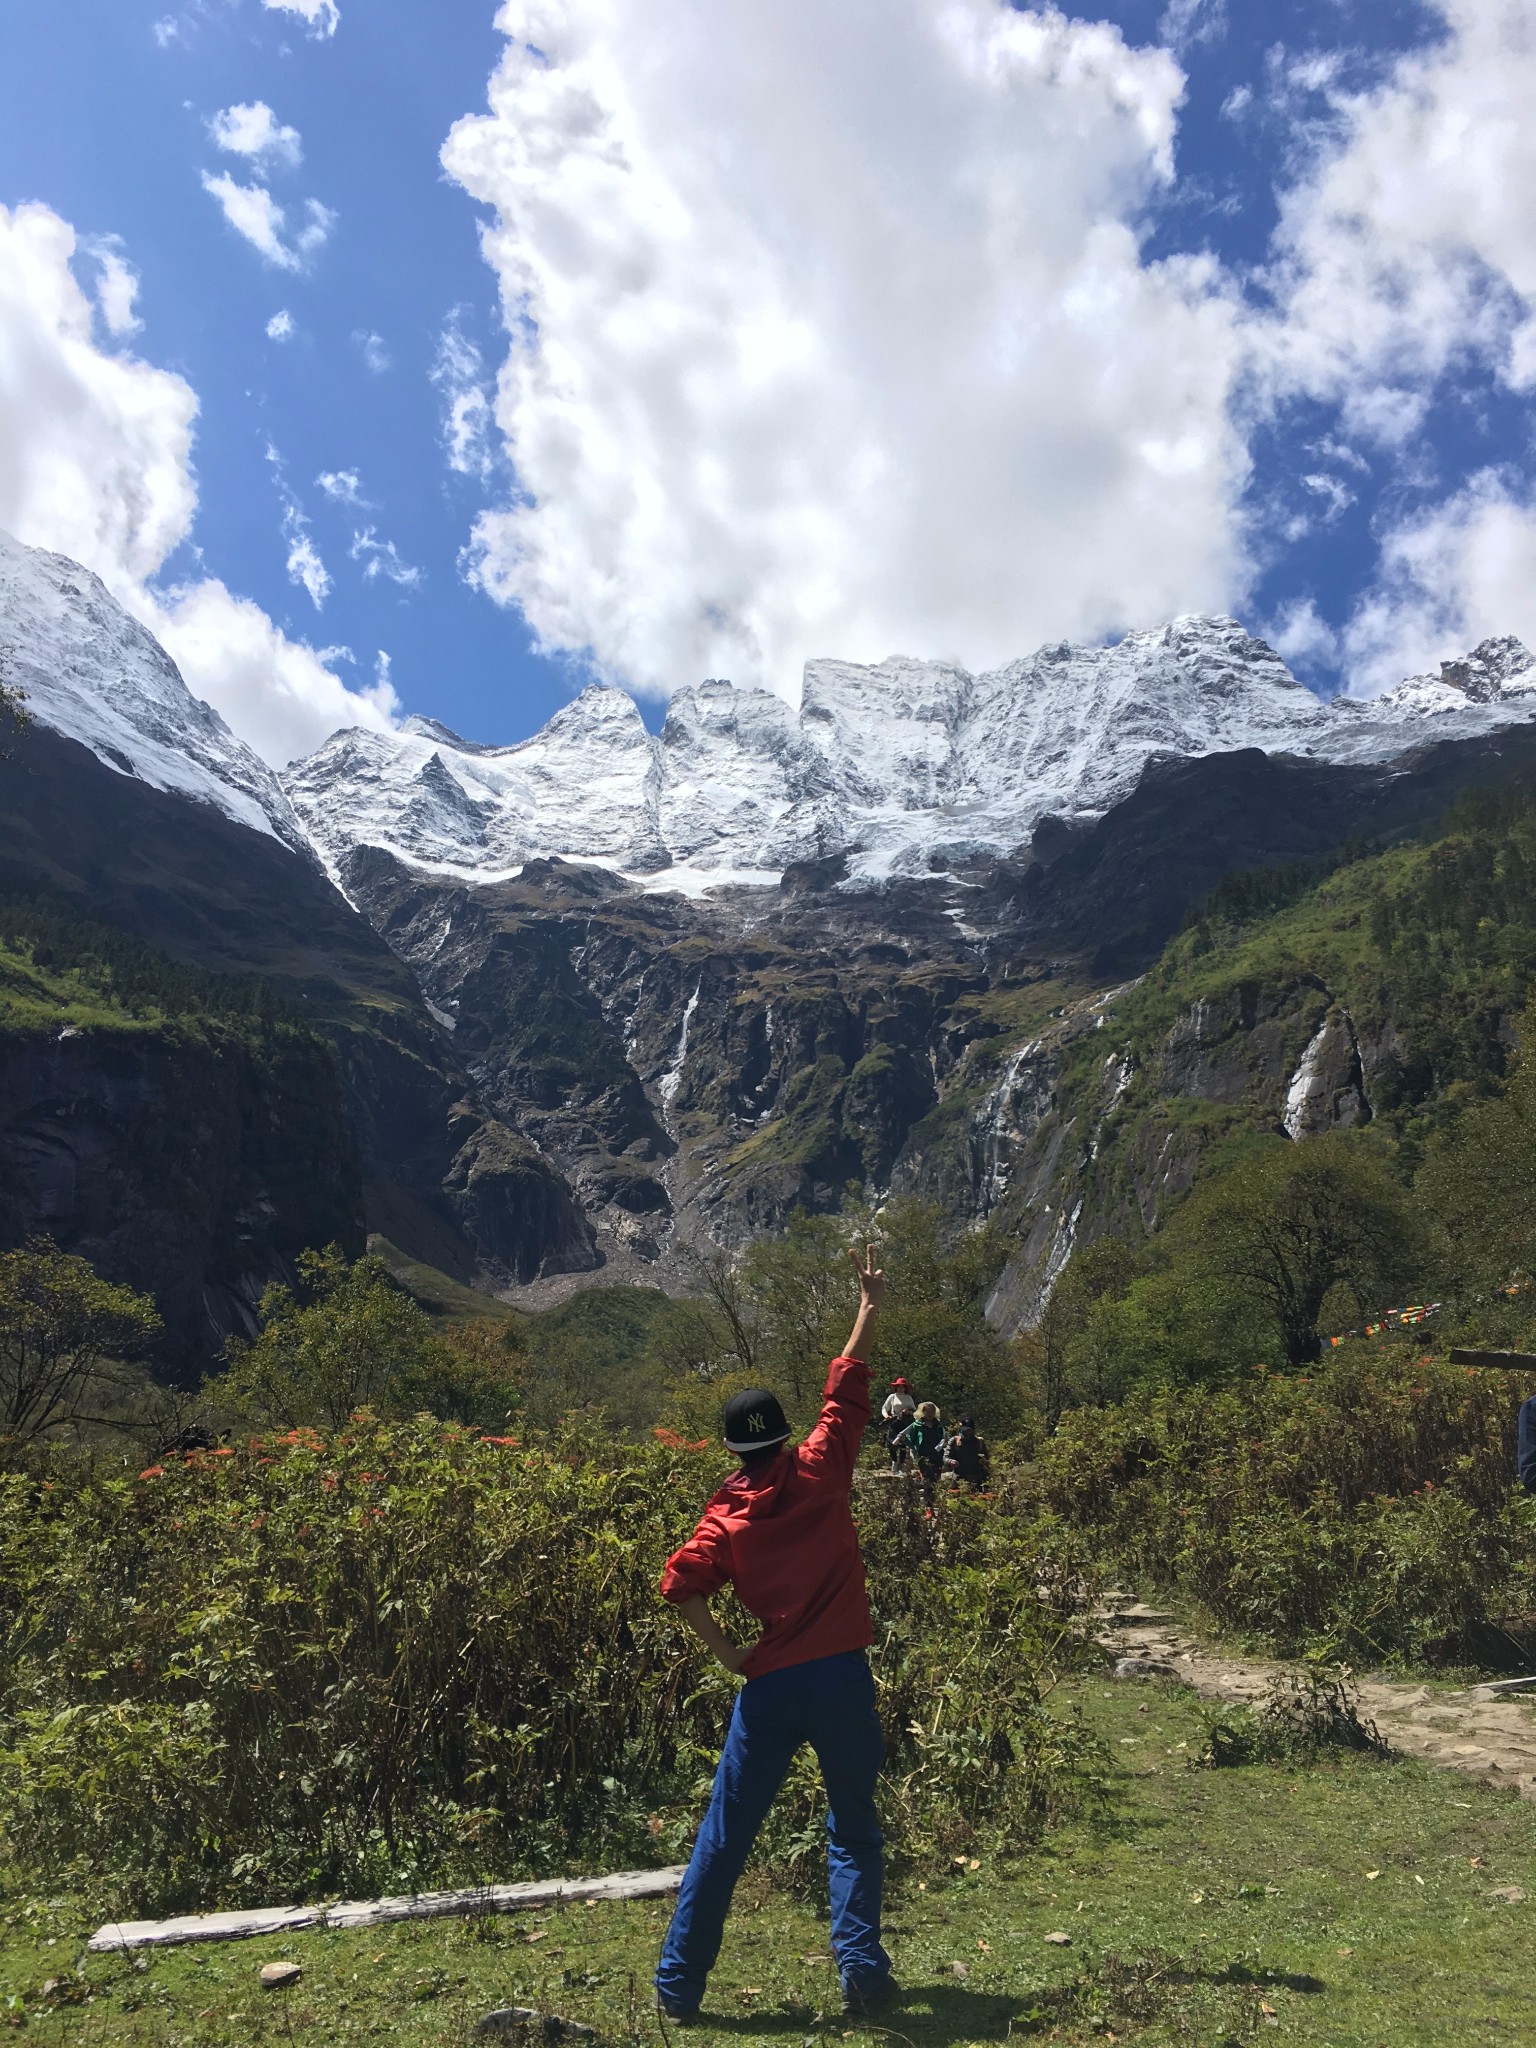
(907, 768)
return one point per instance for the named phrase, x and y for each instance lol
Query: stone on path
(1144, 1667)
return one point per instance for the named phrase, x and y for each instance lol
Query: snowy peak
(903, 766)
(96, 675)
(1499, 673)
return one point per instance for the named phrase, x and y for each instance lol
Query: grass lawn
(1353, 1905)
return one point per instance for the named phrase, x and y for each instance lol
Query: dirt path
(1487, 1734)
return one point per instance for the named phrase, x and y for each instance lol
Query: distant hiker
(1526, 1458)
(899, 1407)
(923, 1440)
(781, 1532)
(966, 1457)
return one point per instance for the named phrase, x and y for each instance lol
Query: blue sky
(821, 347)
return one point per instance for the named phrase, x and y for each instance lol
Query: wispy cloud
(342, 486)
(375, 351)
(383, 558)
(304, 565)
(117, 285)
(252, 212)
(280, 327)
(252, 130)
(463, 382)
(322, 16)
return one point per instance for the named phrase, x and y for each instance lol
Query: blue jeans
(829, 1703)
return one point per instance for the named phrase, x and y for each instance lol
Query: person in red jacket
(781, 1532)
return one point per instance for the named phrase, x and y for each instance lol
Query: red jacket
(785, 1539)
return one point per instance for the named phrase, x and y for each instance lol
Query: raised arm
(871, 1295)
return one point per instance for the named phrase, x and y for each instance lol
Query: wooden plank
(128, 1934)
(490, 1898)
(1507, 1361)
(506, 1898)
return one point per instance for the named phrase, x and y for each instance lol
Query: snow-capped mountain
(91, 672)
(907, 767)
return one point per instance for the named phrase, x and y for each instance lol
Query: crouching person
(781, 1532)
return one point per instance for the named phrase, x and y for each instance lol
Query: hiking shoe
(680, 2016)
(875, 1996)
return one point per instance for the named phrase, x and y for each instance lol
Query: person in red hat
(897, 1411)
(781, 1531)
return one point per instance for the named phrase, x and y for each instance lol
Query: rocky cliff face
(194, 1165)
(615, 995)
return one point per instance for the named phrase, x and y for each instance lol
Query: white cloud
(277, 693)
(1450, 577)
(1410, 245)
(383, 558)
(252, 130)
(1303, 636)
(465, 387)
(166, 31)
(304, 565)
(342, 486)
(96, 462)
(1186, 23)
(375, 351)
(832, 334)
(1335, 494)
(117, 285)
(280, 327)
(323, 16)
(253, 212)
(95, 446)
(1237, 103)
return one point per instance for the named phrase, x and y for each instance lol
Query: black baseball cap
(754, 1421)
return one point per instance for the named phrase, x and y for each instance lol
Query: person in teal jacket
(923, 1438)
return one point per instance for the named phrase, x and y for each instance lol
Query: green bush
(401, 1655)
(1366, 1511)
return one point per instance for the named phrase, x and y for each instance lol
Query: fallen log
(486, 1898)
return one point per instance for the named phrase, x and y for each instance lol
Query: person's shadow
(933, 2015)
(951, 2013)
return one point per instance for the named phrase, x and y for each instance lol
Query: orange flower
(153, 1472)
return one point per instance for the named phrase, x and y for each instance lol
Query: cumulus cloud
(275, 692)
(1408, 247)
(280, 327)
(252, 130)
(322, 16)
(95, 446)
(1450, 577)
(833, 332)
(465, 387)
(96, 463)
(253, 212)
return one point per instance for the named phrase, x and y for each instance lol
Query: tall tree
(1292, 1222)
(64, 1336)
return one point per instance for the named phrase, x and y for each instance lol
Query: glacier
(898, 768)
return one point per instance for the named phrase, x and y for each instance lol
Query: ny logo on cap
(757, 1422)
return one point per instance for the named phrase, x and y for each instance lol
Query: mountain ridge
(904, 768)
